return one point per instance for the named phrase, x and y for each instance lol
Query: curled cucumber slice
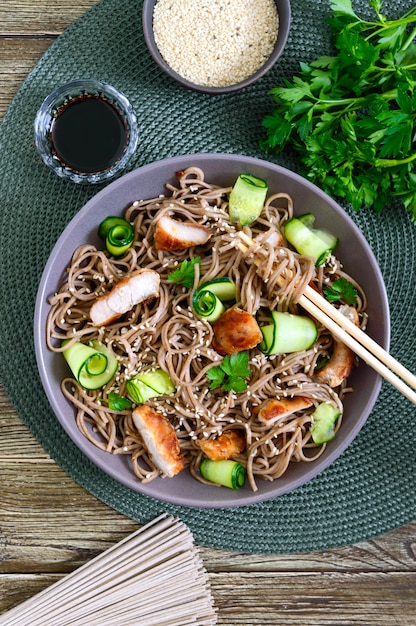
(324, 419)
(117, 233)
(317, 243)
(247, 199)
(288, 333)
(227, 473)
(150, 384)
(208, 298)
(93, 365)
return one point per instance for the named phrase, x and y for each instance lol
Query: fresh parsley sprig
(117, 402)
(185, 273)
(351, 116)
(231, 374)
(341, 289)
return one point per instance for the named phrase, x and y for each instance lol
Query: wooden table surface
(49, 525)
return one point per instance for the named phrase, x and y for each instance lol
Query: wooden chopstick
(352, 336)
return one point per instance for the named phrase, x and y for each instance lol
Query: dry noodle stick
(32, 622)
(360, 343)
(164, 618)
(176, 575)
(193, 611)
(135, 555)
(121, 594)
(101, 597)
(103, 571)
(115, 614)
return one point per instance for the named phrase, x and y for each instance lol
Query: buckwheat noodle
(166, 333)
(153, 577)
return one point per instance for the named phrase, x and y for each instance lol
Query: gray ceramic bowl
(222, 169)
(284, 12)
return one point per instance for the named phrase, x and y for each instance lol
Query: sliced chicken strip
(228, 444)
(139, 287)
(273, 410)
(160, 440)
(172, 234)
(339, 366)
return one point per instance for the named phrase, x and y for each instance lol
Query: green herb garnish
(351, 116)
(117, 402)
(341, 289)
(185, 273)
(231, 374)
(321, 361)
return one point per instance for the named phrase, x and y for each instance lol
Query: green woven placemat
(371, 489)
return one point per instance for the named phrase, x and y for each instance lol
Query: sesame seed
(235, 45)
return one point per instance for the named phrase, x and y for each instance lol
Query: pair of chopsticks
(352, 336)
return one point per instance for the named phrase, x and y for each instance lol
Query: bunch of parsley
(351, 116)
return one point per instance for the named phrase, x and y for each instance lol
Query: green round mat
(371, 489)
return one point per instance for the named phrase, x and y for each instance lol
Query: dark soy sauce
(88, 134)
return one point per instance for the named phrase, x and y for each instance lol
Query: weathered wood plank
(16, 443)
(27, 29)
(15, 589)
(283, 599)
(56, 534)
(17, 57)
(312, 599)
(40, 17)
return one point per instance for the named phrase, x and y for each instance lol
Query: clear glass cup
(114, 112)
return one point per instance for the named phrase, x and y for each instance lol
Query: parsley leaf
(231, 374)
(117, 402)
(185, 273)
(341, 289)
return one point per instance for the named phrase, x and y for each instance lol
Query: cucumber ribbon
(324, 419)
(227, 473)
(117, 233)
(150, 384)
(247, 198)
(287, 333)
(93, 365)
(317, 243)
(208, 298)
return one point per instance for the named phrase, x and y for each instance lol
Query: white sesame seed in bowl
(216, 46)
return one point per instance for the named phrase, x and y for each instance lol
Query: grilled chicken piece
(228, 444)
(273, 410)
(139, 287)
(339, 366)
(172, 234)
(234, 331)
(159, 439)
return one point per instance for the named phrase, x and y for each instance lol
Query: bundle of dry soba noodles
(154, 577)
(167, 333)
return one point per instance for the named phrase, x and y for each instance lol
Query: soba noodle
(167, 334)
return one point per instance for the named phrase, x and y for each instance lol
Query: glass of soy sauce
(86, 131)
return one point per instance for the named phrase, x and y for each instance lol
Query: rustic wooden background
(49, 525)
